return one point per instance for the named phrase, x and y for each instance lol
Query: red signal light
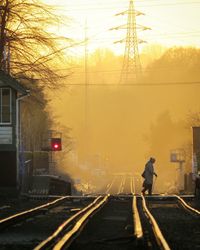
(56, 144)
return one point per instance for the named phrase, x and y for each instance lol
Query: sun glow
(171, 23)
(126, 123)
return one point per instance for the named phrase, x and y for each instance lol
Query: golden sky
(172, 22)
(119, 119)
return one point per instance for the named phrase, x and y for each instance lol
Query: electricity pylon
(131, 68)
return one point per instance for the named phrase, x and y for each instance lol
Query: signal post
(52, 144)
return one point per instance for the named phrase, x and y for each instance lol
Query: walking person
(148, 176)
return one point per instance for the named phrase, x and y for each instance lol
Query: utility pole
(131, 68)
(86, 95)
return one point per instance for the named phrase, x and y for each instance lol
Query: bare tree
(28, 48)
(36, 120)
(31, 52)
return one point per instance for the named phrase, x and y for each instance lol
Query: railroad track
(27, 229)
(10, 206)
(179, 223)
(122, 220)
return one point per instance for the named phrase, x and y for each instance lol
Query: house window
(5, 105)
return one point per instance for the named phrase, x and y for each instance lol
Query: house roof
(8, 80)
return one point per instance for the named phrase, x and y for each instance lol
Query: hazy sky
(172, 22)
(119, 119)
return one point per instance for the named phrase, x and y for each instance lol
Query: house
(11, 92)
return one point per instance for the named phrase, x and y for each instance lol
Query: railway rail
(179, 222)
(28, 228)
(11, 206)
(121, 220)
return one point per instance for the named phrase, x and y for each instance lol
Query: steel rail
(138, 232)
(19, 216)
(187, 206)
(132, 185)
(157, 232)
(121, 187)
(110, 186)
(52, 238)
(73, 233)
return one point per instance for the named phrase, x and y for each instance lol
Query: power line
(142, 84)
(89, 7)
(169, 4)
(158, 69)
(183, 35)
(170, 35)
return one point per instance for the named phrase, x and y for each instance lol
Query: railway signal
(56, 144)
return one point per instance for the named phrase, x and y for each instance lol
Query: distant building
(11, 92)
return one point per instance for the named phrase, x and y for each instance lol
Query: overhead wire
(111, 7)
(157, 35)
(91, 39)
(161, 69)
(139, 84)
